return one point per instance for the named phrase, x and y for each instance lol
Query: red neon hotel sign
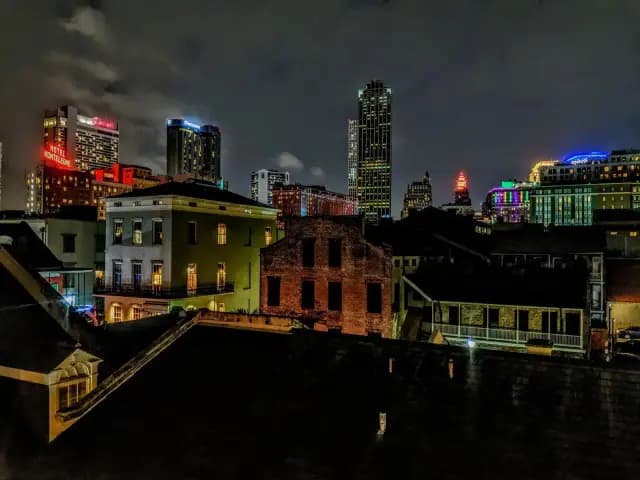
(56, 156)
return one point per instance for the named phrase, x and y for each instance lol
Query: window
(335, 296)
(222, 275)
(156, 226)
(116, 312)
(222, 234)
(68, 243)
(137, 231)
(396, 262)
(220, 307)
(68, 280)
(99, 278)
(156, 277)
(136, 275)
(308, 252)
(308, 299)
(335, 252)
(117, 231)
(117, 275)
(136, 312)
(374, 298)
(493, 315)
(273, 291)
(192, 278)
(454, 314)
(69, 395)
(192, 236)
(267, 236)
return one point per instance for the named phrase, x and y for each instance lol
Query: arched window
(136, 312)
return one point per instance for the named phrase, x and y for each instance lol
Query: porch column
(459, 319)
(517, 325)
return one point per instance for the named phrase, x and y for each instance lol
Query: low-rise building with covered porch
(498, 308)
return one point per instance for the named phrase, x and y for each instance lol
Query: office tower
(374, 151)
(461, 193)
(418, 196)
(88, 142)
(262, 182)
(462, 201)
(352, 158)
(193, 150)
(509, 203)
(210, 167)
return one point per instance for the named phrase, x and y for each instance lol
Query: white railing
(505, 335)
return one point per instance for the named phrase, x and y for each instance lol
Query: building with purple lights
(508, 203)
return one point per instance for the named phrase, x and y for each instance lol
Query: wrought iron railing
(145, 290)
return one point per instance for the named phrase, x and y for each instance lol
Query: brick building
(327, 272)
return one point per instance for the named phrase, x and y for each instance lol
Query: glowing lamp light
(461, 182)
(471, 343)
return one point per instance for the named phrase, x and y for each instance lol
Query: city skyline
(478, 104)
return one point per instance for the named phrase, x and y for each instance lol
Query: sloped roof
(27, 247)
(193, 190)
(530, 287)
(30, 338)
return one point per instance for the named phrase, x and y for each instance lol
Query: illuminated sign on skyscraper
(55, 156)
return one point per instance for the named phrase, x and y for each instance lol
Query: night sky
(487, 86)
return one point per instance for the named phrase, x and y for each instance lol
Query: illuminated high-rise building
(373, 185)
(461, 199)
(193, 150)
(352, 158)
(262, 183)
(88, 142)
(418, 196)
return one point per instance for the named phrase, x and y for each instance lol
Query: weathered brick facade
(362, 266)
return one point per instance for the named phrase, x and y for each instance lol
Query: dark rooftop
(30, 337)
(28, 248)
(194, 190)
(507, 286)
(530, 238)
(229, 404)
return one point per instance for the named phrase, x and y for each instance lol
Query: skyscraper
(262, 182)
(88, 142)
(352, 158)
(418, 196)
(461, 193)
(374, 151)
(193, 150)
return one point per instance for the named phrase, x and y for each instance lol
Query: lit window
(633, 234)
(222, 275)
(117, 231)
(137, 231)
(136, 312)
(267, 236)
(69, 395)
(192, 278)
(116, 312)
(156, 277)
(222, 234)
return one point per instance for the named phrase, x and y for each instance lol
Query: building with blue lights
(571, 190)
(193, 150)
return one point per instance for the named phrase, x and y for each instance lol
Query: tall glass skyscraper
(193, 150)
(373, 184)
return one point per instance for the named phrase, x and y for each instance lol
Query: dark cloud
(485, 86)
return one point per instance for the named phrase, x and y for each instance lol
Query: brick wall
(362, 263)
